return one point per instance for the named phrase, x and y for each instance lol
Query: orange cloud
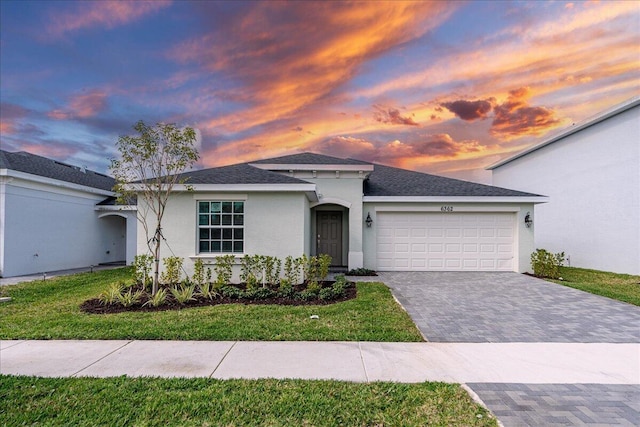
(514, 117)
(539, 56)
(82, 106)
(392, 116)
(105, 13)
(280, 74)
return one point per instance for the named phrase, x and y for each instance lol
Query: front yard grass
(206, 402)
(51, 310)
(622, 287)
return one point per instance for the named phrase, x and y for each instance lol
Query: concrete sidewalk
(530, 363)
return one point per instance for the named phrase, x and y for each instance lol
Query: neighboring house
(591, 172)
(54, 216)
(362, 214)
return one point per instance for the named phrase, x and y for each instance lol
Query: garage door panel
(418, 248)
(470, 248)
(446, 241)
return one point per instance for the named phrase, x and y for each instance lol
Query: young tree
(149, 167)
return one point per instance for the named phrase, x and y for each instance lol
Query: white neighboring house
(361, 214)
(54, 216)
(591, 173)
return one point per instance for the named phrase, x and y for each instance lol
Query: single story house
(54, 216)
(591, 172)
(361, 214)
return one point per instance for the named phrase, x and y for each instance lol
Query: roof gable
(48, 168)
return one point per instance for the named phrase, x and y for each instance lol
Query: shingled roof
(48, 168)
(389, 181)
(382, 181)
(310, 159)
(242, 173)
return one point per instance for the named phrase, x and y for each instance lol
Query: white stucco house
(362, 214)
(591, 173)
(54, 216)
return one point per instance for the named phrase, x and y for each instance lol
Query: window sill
(210, 258)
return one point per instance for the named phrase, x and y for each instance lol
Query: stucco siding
(346, 188)
(275, 224)
(46, 228)
(593, 180)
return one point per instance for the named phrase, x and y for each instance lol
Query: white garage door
(420, 241)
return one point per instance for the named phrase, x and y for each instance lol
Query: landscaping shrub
(142, 269)
(224, 270)
(546, 264)
(361, 272)
(198, 272)
(261, 275)
(232, 292)
(292, 269)
(172, 269)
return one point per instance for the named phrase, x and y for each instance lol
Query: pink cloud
(82, 106)
(398, 152)
(9, 115)
(435, 145)
(107, 14)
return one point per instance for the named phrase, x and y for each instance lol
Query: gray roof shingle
(238, 174)
(310, 159)
(389, 181)
(383, 181)
(48, 168)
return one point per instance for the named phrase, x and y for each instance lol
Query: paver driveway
(509, 307)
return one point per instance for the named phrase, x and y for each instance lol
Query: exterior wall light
(369, 221)
(527, 220)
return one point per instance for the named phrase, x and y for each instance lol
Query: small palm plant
(158, 299)
(183, 294)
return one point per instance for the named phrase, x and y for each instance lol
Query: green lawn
(50, 310)
(622, 287)
(205, 402)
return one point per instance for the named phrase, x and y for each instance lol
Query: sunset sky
(440, 87)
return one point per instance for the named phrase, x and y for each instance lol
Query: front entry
(329, 225)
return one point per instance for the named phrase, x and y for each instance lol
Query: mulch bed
(94, 306)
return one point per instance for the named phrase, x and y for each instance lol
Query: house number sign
(446, 208)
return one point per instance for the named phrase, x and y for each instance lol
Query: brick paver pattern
(509, 307)
(562, 404)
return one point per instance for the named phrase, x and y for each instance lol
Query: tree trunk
(156, 262)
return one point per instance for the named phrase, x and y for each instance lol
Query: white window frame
(216, 231)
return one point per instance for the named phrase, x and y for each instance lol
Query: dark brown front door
(329, 225)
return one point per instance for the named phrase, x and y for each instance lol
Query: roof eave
(308, 188)
(10, 173)
(456, 199)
